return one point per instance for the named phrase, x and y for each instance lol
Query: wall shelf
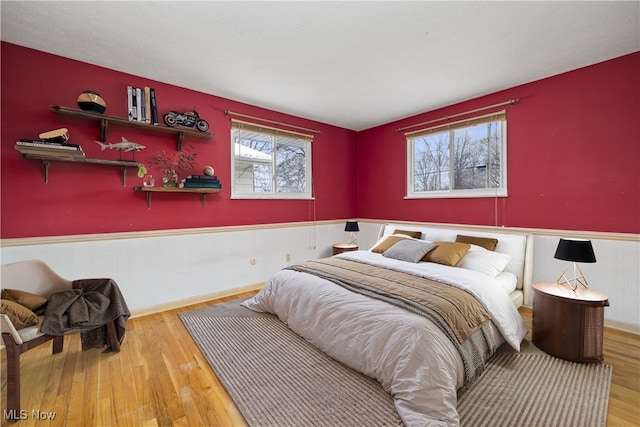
(106, 121)
(150, 190)
(47, 159)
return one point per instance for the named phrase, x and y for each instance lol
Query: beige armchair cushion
(20, 336)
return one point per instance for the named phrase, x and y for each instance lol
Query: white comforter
(405, 352)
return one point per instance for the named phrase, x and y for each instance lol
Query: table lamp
(575, 251)
(352, 228)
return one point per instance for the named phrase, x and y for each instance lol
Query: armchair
(36, 277)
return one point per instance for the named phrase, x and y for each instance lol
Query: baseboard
(622, 326)
(196, 300)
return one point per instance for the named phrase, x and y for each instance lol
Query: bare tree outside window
(270, 164)
(463, 160)
(431, 163)
(290, 166)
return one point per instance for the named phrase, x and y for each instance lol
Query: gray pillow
(409, 250)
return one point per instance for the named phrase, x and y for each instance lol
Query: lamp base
(577, 280)
(353, 240)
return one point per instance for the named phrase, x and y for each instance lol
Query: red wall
(573, 157)
(82, 199)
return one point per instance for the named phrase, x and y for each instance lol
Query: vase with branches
(170, 163)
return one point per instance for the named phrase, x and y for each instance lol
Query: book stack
(200, 181)
(48, 148)
(142, 105)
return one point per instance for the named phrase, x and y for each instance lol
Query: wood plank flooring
(160, 378)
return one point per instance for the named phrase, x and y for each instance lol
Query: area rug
(537, 390)
(278, 379)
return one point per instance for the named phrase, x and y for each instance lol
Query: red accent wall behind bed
(81, 199)
(573, 157)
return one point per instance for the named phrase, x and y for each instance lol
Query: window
(269, 162)
(460, 159)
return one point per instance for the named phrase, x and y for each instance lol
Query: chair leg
(114, 342)
(13, 378)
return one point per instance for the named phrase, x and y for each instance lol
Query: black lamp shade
(351, 226)
(575, 250)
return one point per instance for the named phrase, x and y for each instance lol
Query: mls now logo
(23, 414)
(14, 414)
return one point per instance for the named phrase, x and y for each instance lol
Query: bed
(343, 306)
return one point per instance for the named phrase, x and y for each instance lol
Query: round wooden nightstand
(569, 324)
(338, 248)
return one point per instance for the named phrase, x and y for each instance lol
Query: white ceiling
(351, 64)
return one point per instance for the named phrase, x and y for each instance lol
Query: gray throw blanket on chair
(87, 308)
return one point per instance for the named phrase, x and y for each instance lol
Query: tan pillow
(414, 234)
(386, 243)
(20, 316)
(447, 253)
(33, 302)
(484, 242)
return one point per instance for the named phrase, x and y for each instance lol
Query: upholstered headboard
(518, 245)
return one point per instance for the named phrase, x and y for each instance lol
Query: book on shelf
(195, 176)
(154, 106)
(47, 144)
(139, 114)
(130, 103)
(201, 181)
(190, 184)
(134, 104)
(142, 105)
(147, 104)
(48, 151)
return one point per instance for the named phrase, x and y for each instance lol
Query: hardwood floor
(160, 378)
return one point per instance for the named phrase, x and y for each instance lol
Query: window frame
(274, 133)
(410, 137)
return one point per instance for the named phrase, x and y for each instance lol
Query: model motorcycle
(188, 119)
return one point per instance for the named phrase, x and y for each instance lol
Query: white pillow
(507, 281)
(484, 261)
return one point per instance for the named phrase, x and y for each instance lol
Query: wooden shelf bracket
(103, 130)
(45, 166)
(124, 176)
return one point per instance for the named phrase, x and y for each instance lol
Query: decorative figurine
(148, 181)
(188, 119)
(124, 145)
(56, 136)
(91, 101)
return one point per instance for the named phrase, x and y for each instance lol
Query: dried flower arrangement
(172, 162)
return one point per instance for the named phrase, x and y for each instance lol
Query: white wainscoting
(616, 272)
(165, 269)
(171, 268)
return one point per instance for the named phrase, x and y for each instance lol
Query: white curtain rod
(273, 122)
(509, 102)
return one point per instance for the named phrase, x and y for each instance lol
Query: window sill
(458, 195)
(270, 197)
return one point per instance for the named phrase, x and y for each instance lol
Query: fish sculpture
(123, 145)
